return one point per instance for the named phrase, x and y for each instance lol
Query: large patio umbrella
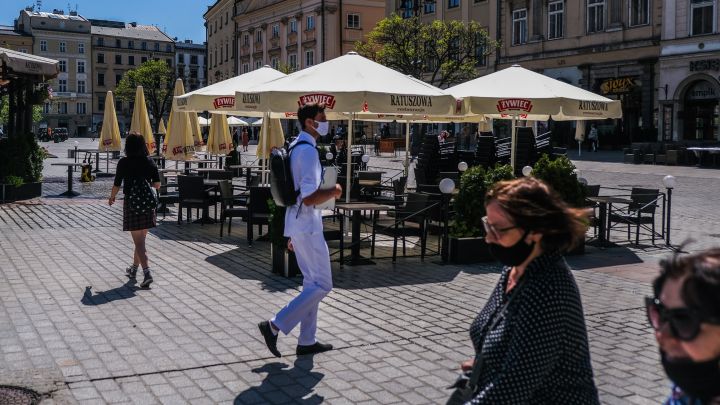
(161, 127)
(219, 140)
(347, 85)
(179, 143)
(236, 122)
(275, 138)
(204, 122)
(518, 93)
(195, 128)
(141, 121)
(110, 133)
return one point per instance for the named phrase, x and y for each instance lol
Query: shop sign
(702, 91)
(618, 85)
(705, 64)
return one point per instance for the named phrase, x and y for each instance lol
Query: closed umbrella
(195, 128)
(179, 144)
(219, 140)
(141, 121)
(161, 127)
(275, 139)
(579, 135)
(110, 132)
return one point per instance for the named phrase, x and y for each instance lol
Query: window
(274, 62)
(193, 59)
(81, 108)
(23, 50)
(101, 58)
(181, 58)
(221, 54)
(62, 85)
(131, 44)
(168, 48)
(157, 47)
(62, 108)
(245, 67)
(293, 25)
(453, 3)
(258, 36)
(481, 58)
(353, 21)
(117, 79)
(143, 59)
(193, 73)
(429, 7)
(702, 17)
(143, 46)
(309, 57)
(595, 16)
(81, 86)
(81, 48)
(258, 64)
(131, 60)
(292, 61)
(227, 52)
(246, 40)
(62, 64)
(519, 27)
(118, 59)
(43, 45)
(556, 11)
(639, 12)
(101, 79)
(101, 42)
(101, 102)
(62, 47)
(309, 23)
(47, 108)
(81, 66)
(118, 43)
(276, 30)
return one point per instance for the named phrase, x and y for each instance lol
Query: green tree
(443, 53)
(5, 111)
(157, 79)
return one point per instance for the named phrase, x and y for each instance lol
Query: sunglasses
(684, 322)
(497, 233)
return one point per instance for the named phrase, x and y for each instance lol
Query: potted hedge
(467, 233)
(283, 261)
(560, 174)
(21, 165)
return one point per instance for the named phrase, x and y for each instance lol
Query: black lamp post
(669, 183)
(447, 186)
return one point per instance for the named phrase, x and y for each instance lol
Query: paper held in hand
(328, 182)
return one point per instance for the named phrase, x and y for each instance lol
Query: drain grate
(18, 396)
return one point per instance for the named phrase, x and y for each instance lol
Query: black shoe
(270, 337)
(313, 349)
(131, 272)
(147, 280)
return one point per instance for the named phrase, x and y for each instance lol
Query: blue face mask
(323, 127)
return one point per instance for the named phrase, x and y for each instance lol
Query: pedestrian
(530, 339)
(303, 225)
(593, 138)
(685, 314)
(135, 172)
(235, 136)
(245, 139)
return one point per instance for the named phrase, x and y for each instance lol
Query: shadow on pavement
(283, 385)
(595, 258)
(123, 292)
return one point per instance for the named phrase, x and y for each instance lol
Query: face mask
(323, 127)
(513, 255)
(698, 380)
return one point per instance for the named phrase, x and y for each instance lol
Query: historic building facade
(689, 90)
(65, 38)
(19, 41)
(221, 37)
(190, 64)
(116, 48)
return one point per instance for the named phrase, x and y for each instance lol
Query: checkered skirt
(136, 222)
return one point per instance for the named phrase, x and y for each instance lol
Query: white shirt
(307, 175)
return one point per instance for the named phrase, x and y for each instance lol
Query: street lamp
(447, 186)
(527, 171)
(462, 166)
(76, 154)
(669, 183)
(365, 159)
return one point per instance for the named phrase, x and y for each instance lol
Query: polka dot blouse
(538, 351)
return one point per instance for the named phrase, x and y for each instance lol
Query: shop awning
(26, 64)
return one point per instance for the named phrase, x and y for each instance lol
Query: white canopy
(23, 63)
(522, 93)
(203, 122)
(236, 122)
(220, 97)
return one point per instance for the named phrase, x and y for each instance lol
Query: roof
(183, 45)
(145, 32)
(43, 14)
(10, 30)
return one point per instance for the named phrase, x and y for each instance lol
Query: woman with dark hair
(135, 172)
(685, 314)
(530, 338)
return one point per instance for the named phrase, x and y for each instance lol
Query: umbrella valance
(23, 63)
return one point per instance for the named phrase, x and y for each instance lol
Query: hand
(111, 200)
(338, 191)
(290, 246)
(467, 365)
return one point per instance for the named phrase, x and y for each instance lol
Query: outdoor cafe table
(699, 151)
(248, 173)
(208, 170)
(356, 209)
(70, 166)
(605, 203)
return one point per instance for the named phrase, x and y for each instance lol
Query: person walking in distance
(136, 167)
(245, 139)
(593, 138)
(303, 225)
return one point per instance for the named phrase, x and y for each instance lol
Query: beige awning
(23, 63)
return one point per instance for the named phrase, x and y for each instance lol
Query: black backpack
(142, 198)
(282, 185)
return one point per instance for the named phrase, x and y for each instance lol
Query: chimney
(133, 24)
(74, 13)
(59, 12)
(188, 41)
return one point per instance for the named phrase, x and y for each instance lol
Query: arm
(320, 196)
(119, 175)
(113, 193)
(302, 162)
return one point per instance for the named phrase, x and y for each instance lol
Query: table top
(170, 170)
(363, 206)
(209, 170)
(610, 200)
(202, 161)
(245, 167)
(155, 157)
(370, 171)
(89, 150)
(706, 149)
(67, 164)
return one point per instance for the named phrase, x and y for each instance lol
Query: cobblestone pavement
(71, 327)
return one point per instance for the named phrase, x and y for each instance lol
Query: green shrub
(21, 156)
(14, 181)
(560, 175)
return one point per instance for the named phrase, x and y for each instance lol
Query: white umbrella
(179, 143)
(219, 140)
(204, 122)
(236, 122)
(518, 93)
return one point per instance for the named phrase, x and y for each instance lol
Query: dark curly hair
(536, 207)
(701, 289)
(135, 146)
(310, 110)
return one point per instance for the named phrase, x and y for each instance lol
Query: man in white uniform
(303, 225)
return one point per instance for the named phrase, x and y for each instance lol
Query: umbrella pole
(513, 142)
(265, 130)
(348, 180)
(107, 162)
(407, 146)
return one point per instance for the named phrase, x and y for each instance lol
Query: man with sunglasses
(685, 314)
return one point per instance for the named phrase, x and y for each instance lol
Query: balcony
(292, 37)
(308, 36)
(353, 35)
(245, 50)
(275, 43)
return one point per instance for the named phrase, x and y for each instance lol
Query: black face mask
(698, 380)
(513, 255)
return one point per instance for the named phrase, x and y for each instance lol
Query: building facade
(190, 64)
(689, 90)
(10, 38)
(116, 48)
(65, 38)
(221, 40)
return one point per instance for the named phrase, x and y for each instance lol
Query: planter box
(469, 250)
(26, 191)
(284, 262)
(579, 249)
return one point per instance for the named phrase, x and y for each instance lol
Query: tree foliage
(5, 111)
(470, 202)
(443, 53)
(559, 173)
(157, 79)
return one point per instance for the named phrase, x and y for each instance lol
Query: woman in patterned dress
(136, 165)
(537, 351)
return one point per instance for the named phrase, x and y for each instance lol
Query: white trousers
(313, 259)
